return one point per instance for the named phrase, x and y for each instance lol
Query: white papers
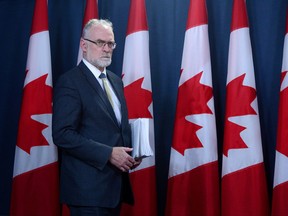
(140, 138)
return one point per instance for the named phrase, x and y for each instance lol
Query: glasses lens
(111, 45)
(100, 43)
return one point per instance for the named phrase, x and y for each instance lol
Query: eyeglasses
(101, 43)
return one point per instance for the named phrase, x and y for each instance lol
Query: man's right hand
(121, 159)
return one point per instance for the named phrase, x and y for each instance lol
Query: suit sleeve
(67, 113)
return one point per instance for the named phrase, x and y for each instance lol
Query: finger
(128, 149)
(124, 170)
(126, 167)
(129, 164)
(131, 159)
(137, 163)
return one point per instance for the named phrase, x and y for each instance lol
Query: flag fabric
(91, 12)
(280, 187)
(35, 187)
(138, 93)
(244, 190)
(193, 184)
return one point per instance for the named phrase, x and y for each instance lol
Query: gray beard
(101, 63)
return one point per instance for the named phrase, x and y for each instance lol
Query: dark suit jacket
(85, 129)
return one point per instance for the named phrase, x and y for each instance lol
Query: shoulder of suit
(71, 75)
(72, 72)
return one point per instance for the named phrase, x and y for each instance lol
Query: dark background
(167, 23)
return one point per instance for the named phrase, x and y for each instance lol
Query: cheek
(94, 54)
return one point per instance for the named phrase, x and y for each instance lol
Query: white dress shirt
(116, 103)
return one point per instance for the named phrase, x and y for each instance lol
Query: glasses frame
(110, 44)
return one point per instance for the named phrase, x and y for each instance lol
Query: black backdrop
(167, 22)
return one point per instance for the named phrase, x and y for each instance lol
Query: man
(90, 126)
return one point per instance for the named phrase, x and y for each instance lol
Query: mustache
(106, 56)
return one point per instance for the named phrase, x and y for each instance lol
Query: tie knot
(102, 76)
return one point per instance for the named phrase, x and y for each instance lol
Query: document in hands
(140, 138)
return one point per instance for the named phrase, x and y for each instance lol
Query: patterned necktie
(106, 87)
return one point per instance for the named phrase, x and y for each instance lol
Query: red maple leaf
(238, 103)
(192, 99)
(138, 100)
(37, 99)
(282, 136)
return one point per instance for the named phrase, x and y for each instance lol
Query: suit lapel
(96, 86)
(118, 91)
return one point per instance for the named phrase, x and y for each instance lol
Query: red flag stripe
(188, 192)
(137, 17)
(40, 17)
(197, 15)
(239, 17)
(241, 197)
(37, 192)
(91, 11)
(279, 203)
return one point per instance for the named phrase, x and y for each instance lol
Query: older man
(90, 126)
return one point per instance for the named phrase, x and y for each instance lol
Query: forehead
(101, 32)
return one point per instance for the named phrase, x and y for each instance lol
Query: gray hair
(96, 22)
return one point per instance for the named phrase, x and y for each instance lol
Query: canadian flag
(138, 93)
(280, 188)
(244, 190)
(35, 189)
(193, 184)
(91, 12)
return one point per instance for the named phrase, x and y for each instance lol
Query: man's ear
(83, 45)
